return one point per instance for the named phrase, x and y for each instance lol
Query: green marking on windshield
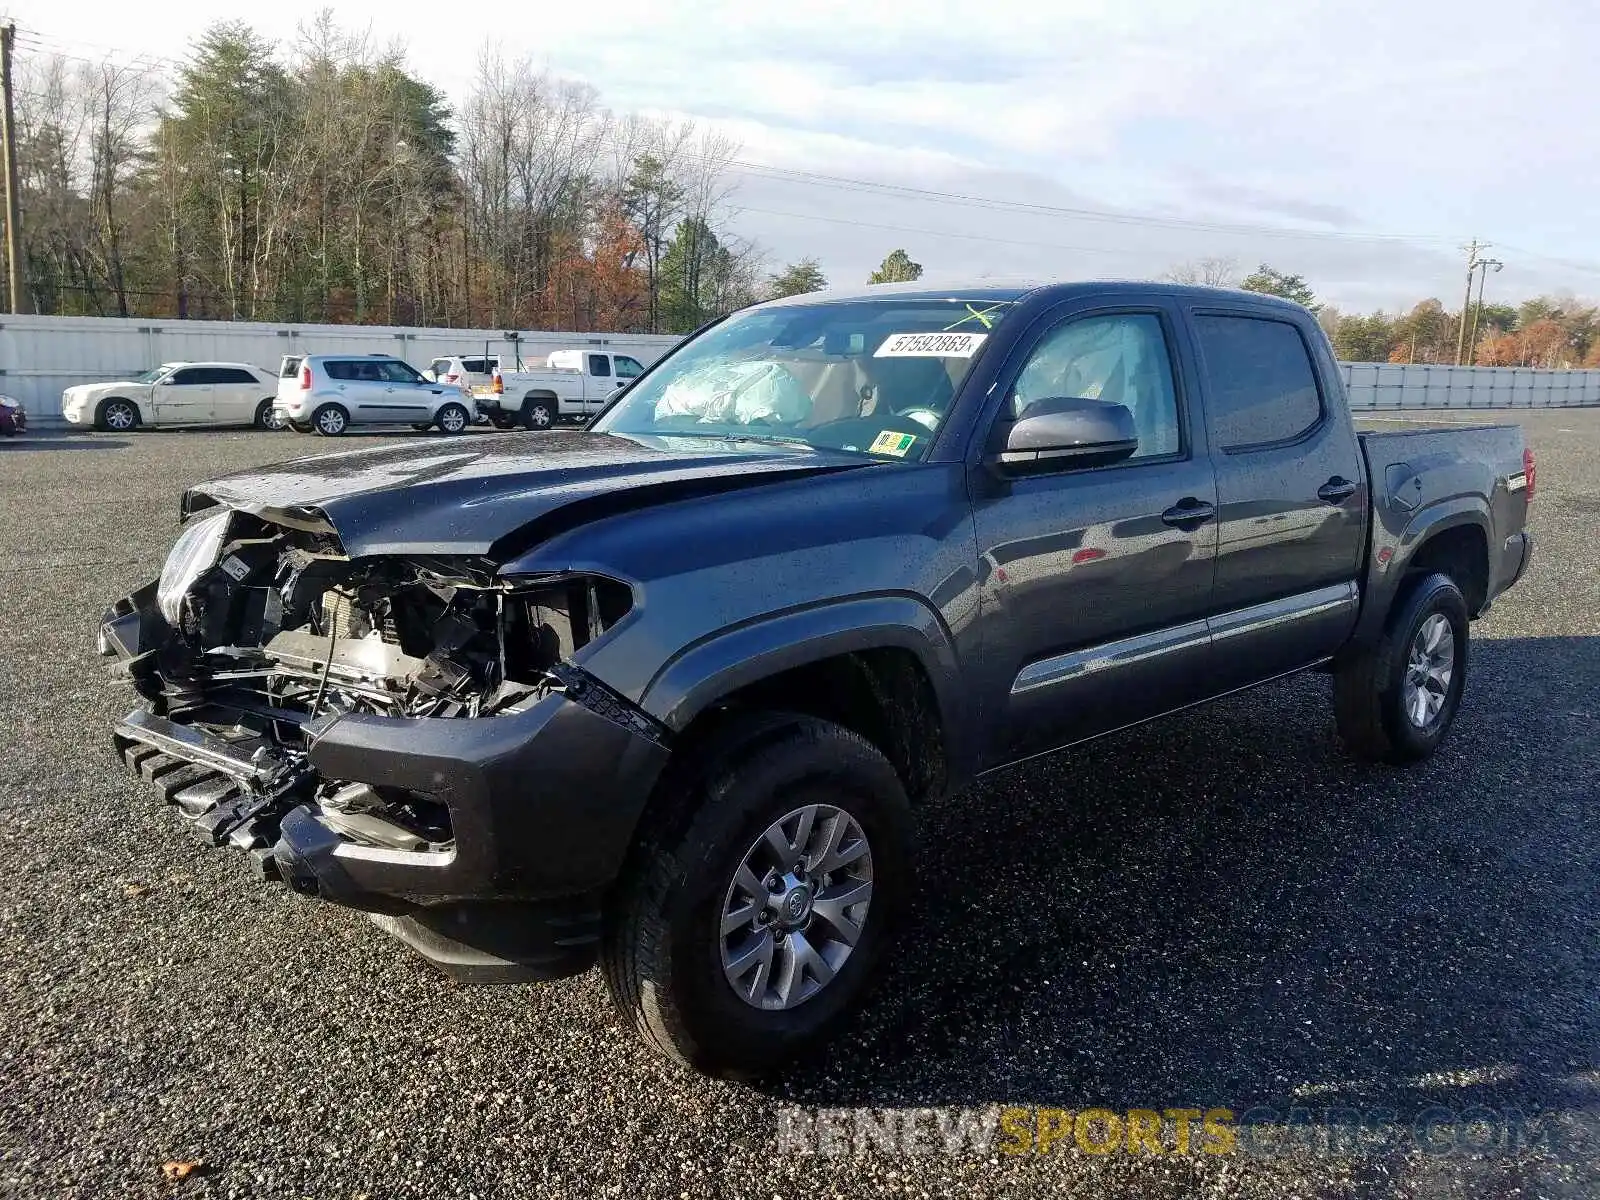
(980, 315)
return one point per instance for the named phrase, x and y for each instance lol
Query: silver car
(329, 393)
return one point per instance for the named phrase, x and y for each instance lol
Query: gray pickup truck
(665, 693)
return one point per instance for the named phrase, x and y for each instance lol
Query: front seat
(906, 385)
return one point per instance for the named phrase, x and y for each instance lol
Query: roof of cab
(997, 291)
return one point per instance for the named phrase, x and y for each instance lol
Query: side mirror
(1066, 432)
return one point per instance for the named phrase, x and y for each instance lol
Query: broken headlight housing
(197, 550)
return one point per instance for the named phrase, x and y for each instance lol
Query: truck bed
(1477, 476)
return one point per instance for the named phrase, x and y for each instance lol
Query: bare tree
(1206, 272)
(121, 101)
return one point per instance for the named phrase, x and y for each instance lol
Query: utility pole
(1472, 265)
(1483, 273)
(20, 301)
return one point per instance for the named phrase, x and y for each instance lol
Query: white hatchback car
(212, 393)
(329, 393)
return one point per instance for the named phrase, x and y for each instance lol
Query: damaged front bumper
(539, 807)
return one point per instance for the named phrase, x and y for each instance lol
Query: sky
(1356, 142)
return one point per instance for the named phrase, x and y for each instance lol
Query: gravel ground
(1216, 911)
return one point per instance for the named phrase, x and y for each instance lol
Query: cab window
(1120, 358)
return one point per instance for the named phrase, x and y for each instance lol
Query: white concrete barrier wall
(41, 356)
(1422, 386)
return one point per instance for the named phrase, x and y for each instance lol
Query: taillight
(1528, 471)
(305, 378)
(499, 384)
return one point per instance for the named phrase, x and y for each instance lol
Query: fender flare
(700, 673)
(1383, 582)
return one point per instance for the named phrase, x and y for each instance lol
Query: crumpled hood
(496, 494)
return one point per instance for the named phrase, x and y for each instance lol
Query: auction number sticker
(930, 345)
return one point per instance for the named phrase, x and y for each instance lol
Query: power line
(988, 203)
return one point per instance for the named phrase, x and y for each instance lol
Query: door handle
(1188, 513)
(1337, 490)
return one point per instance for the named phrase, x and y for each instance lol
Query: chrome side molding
(1144, 646)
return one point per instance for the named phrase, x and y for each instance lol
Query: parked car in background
(572, 386)
(472, 371)
(208, 393)
(329, 393)
(13, 417)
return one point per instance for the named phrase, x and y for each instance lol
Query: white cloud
(1439, 118)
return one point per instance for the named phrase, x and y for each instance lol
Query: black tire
(662, 950)
(538, 414)
(1369, 690)
(117, 415)
(264, 417)
(450, 414)
(330, 420)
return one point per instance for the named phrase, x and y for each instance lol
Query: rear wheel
(762, 897)
(330, 420)
(268, 417)
(452, 418)
(118, 415)
(1396, 702)
(538, 414)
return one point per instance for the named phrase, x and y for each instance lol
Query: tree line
(1546, 331)
(328, 183)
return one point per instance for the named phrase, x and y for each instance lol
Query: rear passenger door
(1291, 521)
(235, 395)
(184, 397)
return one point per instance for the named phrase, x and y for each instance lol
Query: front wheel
(330, 420)
(762, 897)
(118, 415)
(452, 418)
(1396, 702)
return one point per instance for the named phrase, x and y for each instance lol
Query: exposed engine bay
(279, 624)
(266, 630)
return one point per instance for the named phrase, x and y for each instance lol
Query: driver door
(184, 397)
(1096, 581)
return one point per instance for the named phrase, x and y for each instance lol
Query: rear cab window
(1261, 385)
(599, 366)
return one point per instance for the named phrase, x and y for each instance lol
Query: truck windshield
(870, 376)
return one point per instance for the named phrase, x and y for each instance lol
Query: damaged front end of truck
(410, 734)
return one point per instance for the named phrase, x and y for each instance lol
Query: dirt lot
(1219, 911)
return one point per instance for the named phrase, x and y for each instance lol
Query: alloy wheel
(1429, 668)
(796, 906)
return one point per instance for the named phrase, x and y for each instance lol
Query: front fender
(726, 661)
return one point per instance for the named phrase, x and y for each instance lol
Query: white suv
(331, 392)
